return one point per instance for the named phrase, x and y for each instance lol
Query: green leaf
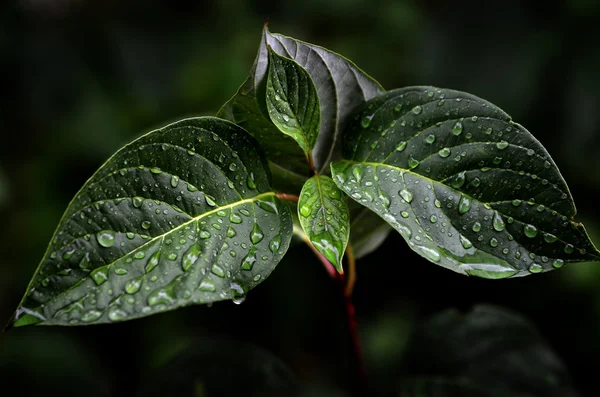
(222, 368)
(323, 214)
(488, 351)
(467, 187)
(341, 87)
(183, 215)
(292, 101)
(367, 230)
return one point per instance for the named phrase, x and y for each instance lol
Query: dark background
(80, 78)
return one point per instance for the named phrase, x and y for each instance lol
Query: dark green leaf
(487, 352)
(182, 215)
(292, 101)
(367, 230)
(323, 214)
(467, 187)
(341, 88)
(222, 368)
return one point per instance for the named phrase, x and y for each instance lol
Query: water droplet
(549, 238)
(445, 152)
(231, 232)
(457, 129)
(174, 181)
(217, 270)
(250, 181)
(275, 243)
(190, 257)
(493, 242)
(476, 227)
(207, 285)
(210, 200)
(464, 204)
(91, 315)
(558, 263)
(204, 234)
(498, 222)
(404, 214)
(516, 202)
(106, 238)
(430, 253)
(502, 145)
(406, 195)
(430, 138)
(161, 296)
(257, 234)
(459, 180)
(305, 210)
(569, 248)
(358, 172)
(152, 262)
(232, 167)
(100, 275)
(412, 162)
(235, 218)
(137, 201)
(249, 260)
(476, 182)
(417, 109)
(139, 255)
(133, 286)
(401, 146)
(530, 231)
(433, 219)
(146, 225)
(172, 256)
(384, 199)
(535, 268)
(465, 242)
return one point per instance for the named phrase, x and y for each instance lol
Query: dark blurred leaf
(340, 85)
(292, 101)
(487, 352)
(183, 215)
(323, 214)
(367, 230)
(468, 189)
(217, 368)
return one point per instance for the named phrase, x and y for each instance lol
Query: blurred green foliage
(82, 78)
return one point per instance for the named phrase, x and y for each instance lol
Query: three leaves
(189, 213)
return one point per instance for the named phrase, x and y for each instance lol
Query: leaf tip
(266, 23)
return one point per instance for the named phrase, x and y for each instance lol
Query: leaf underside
(183, 215)
(292, 101)
(323, 214)
(468, 188)
(341, 87)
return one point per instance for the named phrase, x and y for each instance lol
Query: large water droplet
(549, 238)
(217, 270)
(430, 138)
(275, 243)
(133, 286)
(384, 199)
(358, 172)
(417, 109)
(237, 292)
(174, 181)
(406, 195)
(457, 129)
(305, 210)
(558, 263)
(249, 260)
(204, 234)
(430, 253)
(465, 242)
(476, 227)
(137, 202)
(464, 204)
(191, 256)
(116, 314)
(210, 200)
(161, 296)
(445, 152)
(91, 315)
(493, 242)
(235, 218)
(231, 232)
(458, 180)
(530, 231)
(100, 275)
(502, 145)
(412, 162)
(250, 181)
(207, 285)
(535, 268)
(106, 238)
(257, 234)
(152, 262)
(498, 222)
(146, 225)
(569, 248)
(401, 146)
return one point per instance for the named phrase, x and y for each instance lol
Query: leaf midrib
(155, 238)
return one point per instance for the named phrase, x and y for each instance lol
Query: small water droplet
(366, 121)
(249, 260)
(305, 210)
(275, 243)
(358, 172)
(210, 200)
(172, 256)
(137, 201)
(476, 227)
(417, 109)
(498, 222)
(217, 270)
(516, 202)
(133, 286)
(99, 275)
(235, 218)
(174, 181)
(466, 243)
(204, 234)
(433, 219)
(493, 242)
(445, 152)
(146, 225)
(502, 145)
(412, 162)
(401, 146)
(207, 285)
(231, 232)
(549, 238)
(459, 180)
(558, 263)
(569, 248)
(430, 253)
(91, 315)
(535, 268)
(406, 195)
(257, 234)
(190, 257)
(404, 214)
(457, 129)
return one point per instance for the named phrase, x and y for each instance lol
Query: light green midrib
(155, 238)
(596, 254)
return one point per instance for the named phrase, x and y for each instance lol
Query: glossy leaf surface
(292, 101)
(467, 187)
(323, 214)
(182, 215)
(341, 87)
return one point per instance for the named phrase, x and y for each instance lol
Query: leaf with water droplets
(292, 101)
(324, 217)
(139, 242)
(341, 87)
(483, 197)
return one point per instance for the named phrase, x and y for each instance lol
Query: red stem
(340, 279)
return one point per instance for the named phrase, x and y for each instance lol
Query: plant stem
(288, 197)
(346, 288)
(311, 164)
